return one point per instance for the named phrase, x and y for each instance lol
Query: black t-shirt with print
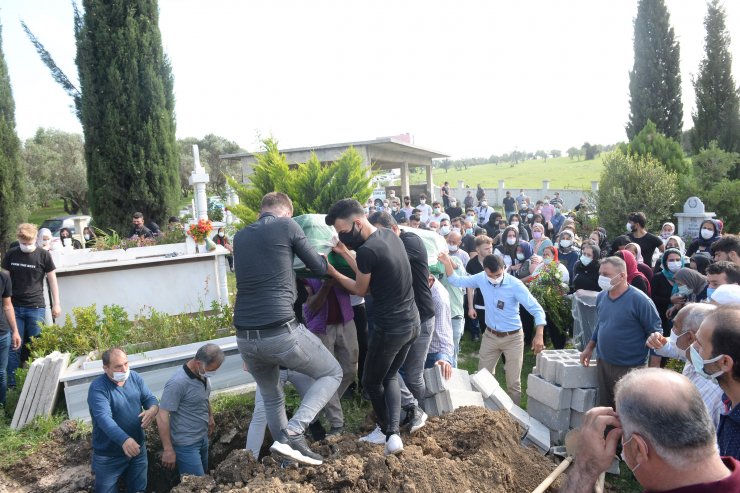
(27, 271)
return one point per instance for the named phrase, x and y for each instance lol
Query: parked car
(54, 224)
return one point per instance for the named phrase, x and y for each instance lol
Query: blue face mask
(699, 364)
(710, 292)
(469, 231)
(684, 290)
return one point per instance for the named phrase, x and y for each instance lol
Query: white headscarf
(46, 245)
(681, 244)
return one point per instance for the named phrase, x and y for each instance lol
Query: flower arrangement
(201, 230)
(547, 288)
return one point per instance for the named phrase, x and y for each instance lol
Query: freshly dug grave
(471, 449)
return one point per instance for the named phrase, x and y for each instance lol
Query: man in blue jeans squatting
(116, 400)
(185, 419)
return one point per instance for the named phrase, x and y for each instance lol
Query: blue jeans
(297, 350)
(107, 470)
(192, 459)
(4, 349)
(28, 320)
(458, 324)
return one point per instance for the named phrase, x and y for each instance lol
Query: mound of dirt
(472, 449)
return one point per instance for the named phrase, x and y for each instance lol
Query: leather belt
(503, 334)
(256, 333)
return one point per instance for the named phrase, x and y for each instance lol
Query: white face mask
(605, 283)
(87, 237)
(547, 260)
(674, 265)
(496, 280)
(520, 256)
(515, 224)
(483, 204)
(666, 234)
(511, 241)
(585, 261)
(27, 248)
(566, 243)
(121, 376)
(629, 227)
(706, 233)
(423, 201)
(444, 230)
(452, 248)
(221, 234)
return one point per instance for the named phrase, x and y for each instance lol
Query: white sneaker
(393, 445)
(376, 437)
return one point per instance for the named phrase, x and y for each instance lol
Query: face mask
(520, 256)
(469, 231)
(586, 260)
(121, 376)
(665, 235)
(674, 338)
(625, 460)
(484, 204)
(547, 260)
(453, 203)
(87, 237)
(221, 234)
(605, 283)
(515, 224)
(423, 201)
(444, 231)
(471, 218)
(436, 210)
(496, 280)
(395, 209)
(537, 235)
(699, 364)
(674, 266)
(386, 205)
(710, 292)
(706, 233)
(353, 239)
(511, 241)
(455, 229)
(27, 248)
(629, 227)
(566, 243)
(530, 216)
(452, 248)
(684, 291)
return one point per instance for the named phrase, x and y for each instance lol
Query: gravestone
(689, 221)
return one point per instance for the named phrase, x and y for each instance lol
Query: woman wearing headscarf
(44, 239)
(567, 251)
(550, 257)
(539, 240)
(619, 243)
(691, 286)
(598, 236)
(635, 249)
(634, 276)
(507, 247)
(668, 230)
(674, 243)
(663, 283)
(699, 263)
(709, 232)
(520, 269)
(66, 234)
(516, 221)
(586, 271)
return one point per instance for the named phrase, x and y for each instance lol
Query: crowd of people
(376, 325)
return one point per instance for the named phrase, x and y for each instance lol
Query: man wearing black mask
(381, 262)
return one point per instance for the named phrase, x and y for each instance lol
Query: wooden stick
(553, 475)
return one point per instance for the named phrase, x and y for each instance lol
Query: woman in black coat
(586, 270)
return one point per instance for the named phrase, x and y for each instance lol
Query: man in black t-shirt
(383, 268)
(454, 210)
(476, 306)
(638, 234)
(10, 340)
(138, 230)
(412, 385)
(27, 265)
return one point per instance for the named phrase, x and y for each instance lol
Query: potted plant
(201, 233)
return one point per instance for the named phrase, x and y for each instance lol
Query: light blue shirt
(502, 300)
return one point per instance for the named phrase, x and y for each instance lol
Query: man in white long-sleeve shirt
(685, 325)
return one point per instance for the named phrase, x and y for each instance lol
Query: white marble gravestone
(691, 218)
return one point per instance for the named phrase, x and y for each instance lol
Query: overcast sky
(467, 78)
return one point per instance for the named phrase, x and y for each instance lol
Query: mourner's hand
(15, 341)
(596, 449)
(678, 299)
(211, 425)
(340, 249)
(56, 311)
(446, 368)
(586, 355)
(169, 459)
(656, 340)
(148, 416)
(131, 448)
(538, 343)
(472, 313)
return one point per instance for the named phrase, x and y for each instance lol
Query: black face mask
(353, 239)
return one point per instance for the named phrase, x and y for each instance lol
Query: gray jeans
(297, 350)
(413, 390)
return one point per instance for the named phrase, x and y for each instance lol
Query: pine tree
(12, 207)
(127, 112)
(717, 115)
(655, 79)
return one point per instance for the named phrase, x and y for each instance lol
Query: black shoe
(335, 430)
(296, 448)
(317, 431)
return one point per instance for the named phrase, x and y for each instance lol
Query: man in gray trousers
(267, 334)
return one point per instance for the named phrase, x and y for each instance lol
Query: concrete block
(558, 436)
(552, 365)
(576, 418)
(555, 419)
(484, 382)
(449, 400)
(430, 406)
(583, 399)
(572, 374)
(436, 383)
(547, 393)
(538, 434)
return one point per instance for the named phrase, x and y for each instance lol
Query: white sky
(467, 78)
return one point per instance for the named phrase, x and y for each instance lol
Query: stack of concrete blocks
(444, 396)
(40, 389)
(560, 390)
(496, 398)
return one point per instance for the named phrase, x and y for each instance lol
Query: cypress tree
(655, 79)
(12, 206)
(127, 112)
(717, 115)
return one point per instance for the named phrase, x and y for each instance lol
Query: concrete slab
(484, 382)
(436, 383)
(449, 400)
(548, 393)
(555, 419)
(539, 435)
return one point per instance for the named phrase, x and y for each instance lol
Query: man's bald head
(665, 409)
(690, 317)
(453, 238)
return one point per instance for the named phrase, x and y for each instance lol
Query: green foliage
(312, 186)
(547, 288)
(13, 208)
(150, 330)
(215, 212)
(650, 142)
(724, 199)
(127, 112)
(712, 165)
(655, 78)
(635, 183)
(717, 115)
(19, 444)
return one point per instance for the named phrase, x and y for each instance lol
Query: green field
(562, 172)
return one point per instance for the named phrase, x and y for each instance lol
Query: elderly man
(116, 400)
(715, 355)
(626, 317)
(685, 325)
(668, 440)
(185, 419)
(454, 239)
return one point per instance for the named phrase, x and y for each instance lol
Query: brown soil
(472, 449)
